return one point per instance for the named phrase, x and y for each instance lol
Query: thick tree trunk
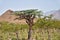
(29, 21)
(30, 33)
(17, 35)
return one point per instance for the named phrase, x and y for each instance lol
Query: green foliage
(6, 27)
(44, 23)
(41, 23)
(12, 27)
(35, 12)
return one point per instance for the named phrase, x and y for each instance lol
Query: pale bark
(30, 34)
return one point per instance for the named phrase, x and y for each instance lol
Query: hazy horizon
(44, 5)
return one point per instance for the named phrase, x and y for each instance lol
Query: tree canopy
(34, 12)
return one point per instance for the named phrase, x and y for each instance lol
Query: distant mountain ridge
(7, 16)
(55, 13)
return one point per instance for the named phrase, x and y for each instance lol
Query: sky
(43, 5)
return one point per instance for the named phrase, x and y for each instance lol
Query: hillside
(7, 16)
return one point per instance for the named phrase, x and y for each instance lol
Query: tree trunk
(9, 37)
(30, 33)
(41, 33)
(48, 34)
(17, 35)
